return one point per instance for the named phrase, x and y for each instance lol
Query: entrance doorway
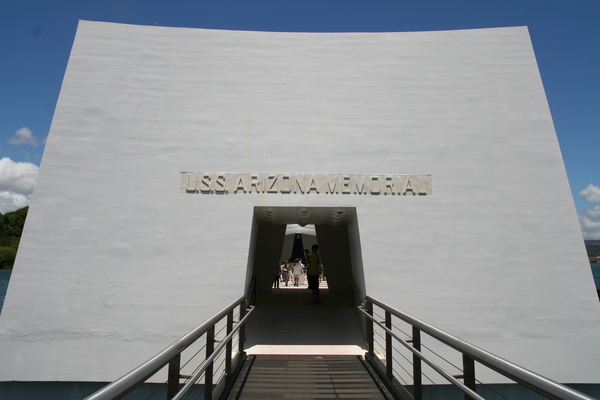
(285, 322)
(337, 234)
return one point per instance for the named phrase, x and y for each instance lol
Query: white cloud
(11, 201)
(591, 193)
(24, 136)
(590, 223)
(17, 180)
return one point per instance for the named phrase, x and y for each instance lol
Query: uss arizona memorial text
(237, 183)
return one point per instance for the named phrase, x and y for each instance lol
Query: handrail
(189, 384)
(437, 368)
(171, 355)
(532, 380)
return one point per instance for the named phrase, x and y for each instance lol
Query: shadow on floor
(285, 322)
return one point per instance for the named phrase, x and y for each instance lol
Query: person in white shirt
(297, 271)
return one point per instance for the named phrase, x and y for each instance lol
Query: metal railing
(384, 363)
(172, 357)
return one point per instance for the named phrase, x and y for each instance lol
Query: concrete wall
(116, 262)
(268, 250)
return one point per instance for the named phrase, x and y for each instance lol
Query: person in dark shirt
(312, 273)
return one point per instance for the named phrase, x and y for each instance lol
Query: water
(4, 278)
(596, 273)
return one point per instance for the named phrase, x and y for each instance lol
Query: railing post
(208, 374)
(417, 372)
(229, 346)
(389, 366)
(173, 382)
(469, 374)
(369, 328)
(242, 331)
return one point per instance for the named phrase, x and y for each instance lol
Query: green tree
(11, 228)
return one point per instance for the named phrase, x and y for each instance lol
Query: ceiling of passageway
(304, 215)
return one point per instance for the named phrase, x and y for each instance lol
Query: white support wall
(116, 262)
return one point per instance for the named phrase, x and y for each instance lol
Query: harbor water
(596, 273)
(4, 278)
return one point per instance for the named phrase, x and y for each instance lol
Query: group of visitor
(289, 270)
(294, 270)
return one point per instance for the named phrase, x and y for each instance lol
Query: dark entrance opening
(285, 322)
(337, 234)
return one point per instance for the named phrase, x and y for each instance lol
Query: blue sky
(36, 38)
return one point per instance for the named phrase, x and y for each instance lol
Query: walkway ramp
(307, 377)
(226, 371)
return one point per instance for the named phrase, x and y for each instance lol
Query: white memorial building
(427, 162)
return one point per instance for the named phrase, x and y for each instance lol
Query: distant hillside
(11, 227)
(593, 248)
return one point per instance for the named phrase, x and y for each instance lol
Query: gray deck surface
(299, 350)
(285, 323)
(305, 377)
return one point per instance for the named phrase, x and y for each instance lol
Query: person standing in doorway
(277, 277)
(312, 273)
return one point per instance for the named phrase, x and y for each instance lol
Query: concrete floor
(285, 322)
